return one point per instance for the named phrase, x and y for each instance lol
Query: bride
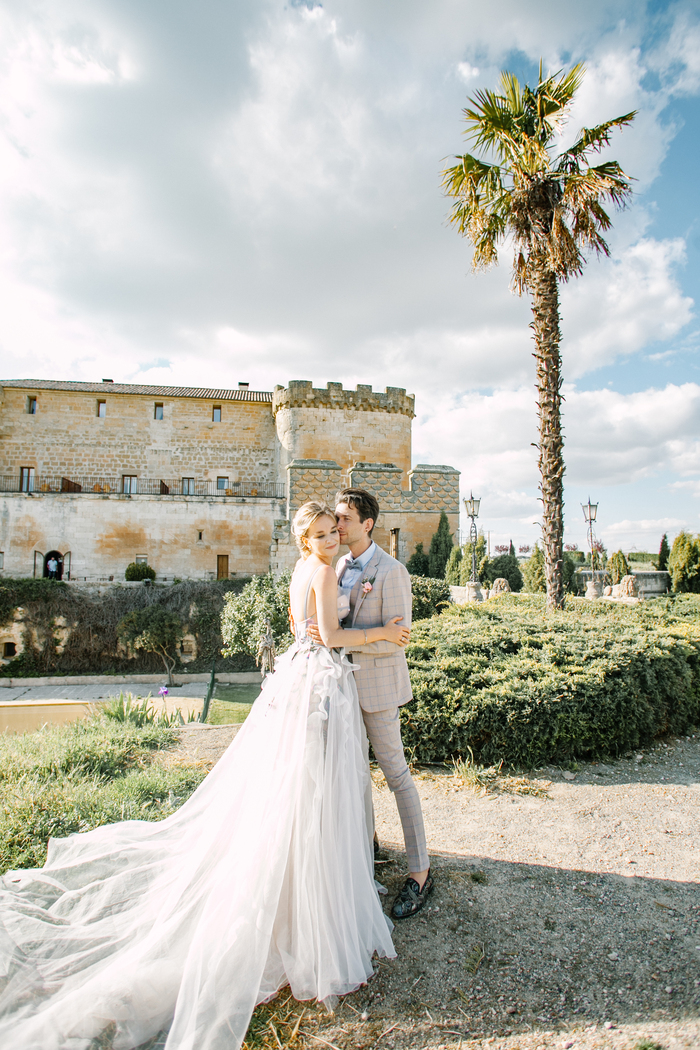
(264, 877)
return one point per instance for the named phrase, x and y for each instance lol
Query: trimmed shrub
(429, 596)
(419, 562)
(452, 569)
(618, 566)
(534, 579)
(505, 565)
(684, 563)
(441, 546)
(139, 571)
(514, 684)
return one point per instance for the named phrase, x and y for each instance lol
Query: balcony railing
(129, 485)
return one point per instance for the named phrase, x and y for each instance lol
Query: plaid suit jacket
(382, 672)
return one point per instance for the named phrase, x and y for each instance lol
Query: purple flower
(163, 691)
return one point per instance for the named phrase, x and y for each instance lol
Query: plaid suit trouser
(384, 732)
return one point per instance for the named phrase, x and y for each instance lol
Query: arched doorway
(53, 565)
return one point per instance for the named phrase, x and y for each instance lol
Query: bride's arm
(325, 588)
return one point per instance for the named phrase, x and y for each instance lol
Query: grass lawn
(64, 779)
(231, 704)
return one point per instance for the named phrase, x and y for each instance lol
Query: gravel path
(566, 910)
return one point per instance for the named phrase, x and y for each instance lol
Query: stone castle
(199, 483)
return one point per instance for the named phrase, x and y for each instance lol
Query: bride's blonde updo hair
(304, 518)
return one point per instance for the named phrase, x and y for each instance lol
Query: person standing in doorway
(52, 566)
(379, 588)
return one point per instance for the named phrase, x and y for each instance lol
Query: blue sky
(211, 193)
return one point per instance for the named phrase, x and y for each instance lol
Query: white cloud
(466, 72)
(617, 438)
(622, 304)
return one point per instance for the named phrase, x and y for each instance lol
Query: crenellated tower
(330, 438)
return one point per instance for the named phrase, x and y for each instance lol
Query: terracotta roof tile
(211, 394)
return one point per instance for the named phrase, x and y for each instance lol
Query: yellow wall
(67, 437)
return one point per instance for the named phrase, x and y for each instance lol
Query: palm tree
(551, 206)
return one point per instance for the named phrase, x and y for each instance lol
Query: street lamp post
(590, 511)
(471, 506)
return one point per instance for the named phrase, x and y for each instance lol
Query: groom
(379, 588)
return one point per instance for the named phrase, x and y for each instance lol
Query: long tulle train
(262, 878)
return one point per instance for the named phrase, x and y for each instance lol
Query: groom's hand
(314, 633)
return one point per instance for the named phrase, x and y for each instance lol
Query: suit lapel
(369, 571)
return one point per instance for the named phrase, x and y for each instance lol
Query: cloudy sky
(249, 190)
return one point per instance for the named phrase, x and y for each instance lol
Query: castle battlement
(302, 394)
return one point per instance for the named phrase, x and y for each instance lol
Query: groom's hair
(362, 501)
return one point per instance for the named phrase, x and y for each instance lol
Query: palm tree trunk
(545, 324)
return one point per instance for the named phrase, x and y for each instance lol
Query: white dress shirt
(354, 567)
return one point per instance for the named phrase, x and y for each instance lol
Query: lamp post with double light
(471, 506)
(590, 512)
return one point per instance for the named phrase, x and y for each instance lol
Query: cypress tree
(618, 566)
(440, 548)
(465, 566)
(419, 563)
(533, 572)
(664, 551)
(453, 567)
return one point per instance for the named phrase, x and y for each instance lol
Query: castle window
(9, 650)
(26, 479)
(2, 559)
(157, 411)
(101, 409)
(188, 486)
(200, 535)
(216, 413)
(222, 484)
(129, 483)
(31, 406)
(141, 559)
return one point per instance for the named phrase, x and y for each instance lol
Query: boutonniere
(367, 584)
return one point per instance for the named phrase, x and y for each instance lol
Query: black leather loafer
(412, 897)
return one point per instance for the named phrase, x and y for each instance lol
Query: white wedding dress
(264, 877)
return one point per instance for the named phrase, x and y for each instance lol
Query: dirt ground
(566, 911)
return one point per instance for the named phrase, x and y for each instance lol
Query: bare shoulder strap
(308, 590)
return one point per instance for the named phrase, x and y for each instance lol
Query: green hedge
(430, 596)
(510, 682)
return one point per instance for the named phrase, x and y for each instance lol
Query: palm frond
(511, 92)
(593, 140)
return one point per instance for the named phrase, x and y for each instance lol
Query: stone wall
(343, 425)
(65, 436)
(104, 533)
